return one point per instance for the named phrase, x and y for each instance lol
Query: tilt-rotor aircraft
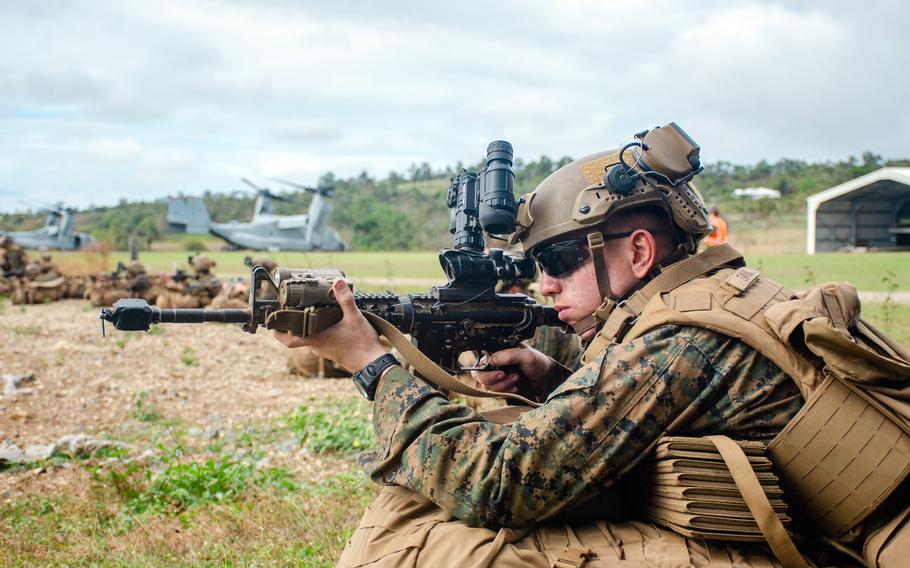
(266, 230)
(59, 232)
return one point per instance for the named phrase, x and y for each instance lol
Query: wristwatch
(367, 378)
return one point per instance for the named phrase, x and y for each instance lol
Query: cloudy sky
(105, 100)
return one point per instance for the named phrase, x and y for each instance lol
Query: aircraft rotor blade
(325, 190)
(253, 185)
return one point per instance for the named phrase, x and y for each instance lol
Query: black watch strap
(367, 379)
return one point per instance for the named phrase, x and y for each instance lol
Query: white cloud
(144, 99)
(109, 149)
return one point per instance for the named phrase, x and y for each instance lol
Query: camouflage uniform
(140, 284)
(595, 427)
(40, 284)
(14, 257)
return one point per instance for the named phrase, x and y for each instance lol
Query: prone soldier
(181, 291)
(12, 264)
(140, 284)
(40, 283)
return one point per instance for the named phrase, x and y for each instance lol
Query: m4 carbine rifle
(466, 314)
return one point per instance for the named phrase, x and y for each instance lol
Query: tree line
(406, 211)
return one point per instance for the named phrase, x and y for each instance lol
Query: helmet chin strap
(596, 243)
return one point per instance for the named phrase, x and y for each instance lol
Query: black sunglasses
(558, 258)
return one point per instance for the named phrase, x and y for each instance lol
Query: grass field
(192, 486)
(868, 272)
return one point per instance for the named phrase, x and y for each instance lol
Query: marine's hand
(352, 342)
(530, 363)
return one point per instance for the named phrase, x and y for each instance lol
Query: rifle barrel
(200, 316)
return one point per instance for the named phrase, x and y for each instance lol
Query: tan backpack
(848, 449)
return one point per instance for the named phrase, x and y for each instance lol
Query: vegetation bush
(193, 244)
(406, 211)
(337, 425)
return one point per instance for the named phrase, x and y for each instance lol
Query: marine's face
(575, 293)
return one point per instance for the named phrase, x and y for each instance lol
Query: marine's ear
(643, 253)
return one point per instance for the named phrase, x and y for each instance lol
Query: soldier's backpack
(848, 450)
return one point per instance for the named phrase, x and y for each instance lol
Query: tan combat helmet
(269, 264)
(202, 264)
(135, 268)
(581, 197)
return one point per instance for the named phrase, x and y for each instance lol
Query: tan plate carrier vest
(848, 448)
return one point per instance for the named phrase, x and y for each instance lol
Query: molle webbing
(844, 453)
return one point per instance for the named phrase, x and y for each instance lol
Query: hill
(406, 211)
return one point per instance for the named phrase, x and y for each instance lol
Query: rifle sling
(749, 486)
(430, 370)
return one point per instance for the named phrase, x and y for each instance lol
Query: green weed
(156, 330)
(889, 281)
(337, 425)
(29, 329)
(809, 279)
(120, 342)
(183, 484)
(189, 357)
(143, 410)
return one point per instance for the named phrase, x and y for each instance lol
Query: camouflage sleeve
(594, 427)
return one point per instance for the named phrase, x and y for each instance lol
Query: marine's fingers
(508, 384)
(511, 356)
(487, 378)
(344, 297)
(287, 339)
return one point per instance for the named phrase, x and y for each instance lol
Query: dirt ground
(211, 379)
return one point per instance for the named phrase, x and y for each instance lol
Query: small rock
(39, 452)
(10, 453)
(212, 434)
(80, 445)
(287, 446)
(11, 384)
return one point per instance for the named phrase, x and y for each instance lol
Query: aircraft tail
(188, 215)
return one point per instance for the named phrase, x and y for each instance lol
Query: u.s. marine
(678, 344)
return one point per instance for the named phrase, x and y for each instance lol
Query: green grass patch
(893, 319)
(143, 409)
(260, 527)
(188, 357)
(186, 482)
(27, 329)
(864, 271)
(335, 425)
